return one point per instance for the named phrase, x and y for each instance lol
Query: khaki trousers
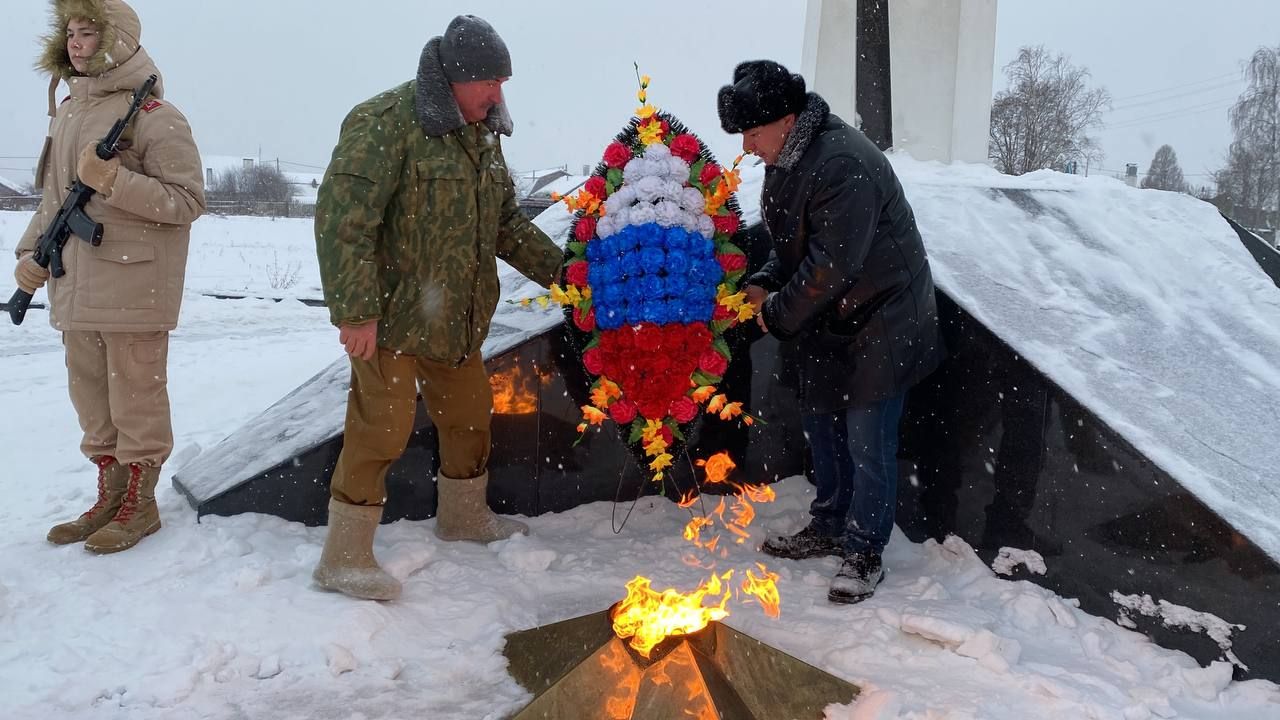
(119, 386)
(380, 413)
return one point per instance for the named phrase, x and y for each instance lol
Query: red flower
(576, 273)
(667, 436)
(730, 262)
(713, 363)
(585, 229)
(596, 187)
(699, 335)
(585, 323)
(723, 313)
(622, 411)
(684, 410)
(652, 408)
(617, 155)
(649, 338)
(685, 147)
(623, 340)
(593, 360)
(710, 172)
(726, 223)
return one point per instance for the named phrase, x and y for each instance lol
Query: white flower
(705, 227)
(691, 199)
(657, 151)
(678, 169)
(623, 198)
(649, 189)
(607, 226)
(669, 214)
(643, 214)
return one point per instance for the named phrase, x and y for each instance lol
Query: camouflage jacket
(409, 229)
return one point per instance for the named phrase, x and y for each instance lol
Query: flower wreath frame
(654, 442)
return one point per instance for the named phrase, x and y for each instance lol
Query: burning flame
(764, 589)
(514, 393)
(718, 467)
(647, 616)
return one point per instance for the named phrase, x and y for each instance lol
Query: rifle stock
(18, 305)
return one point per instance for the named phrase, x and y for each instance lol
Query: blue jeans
(855, 465)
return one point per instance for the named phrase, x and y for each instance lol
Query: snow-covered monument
(1111, 398)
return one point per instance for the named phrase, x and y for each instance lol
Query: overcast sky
(275, 77)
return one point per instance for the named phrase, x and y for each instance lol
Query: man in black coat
(849, 284)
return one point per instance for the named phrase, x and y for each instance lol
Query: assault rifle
(71, 218)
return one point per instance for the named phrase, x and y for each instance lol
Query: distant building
(534, 189)
(1131, 174)
(13, 196)
(304, 179)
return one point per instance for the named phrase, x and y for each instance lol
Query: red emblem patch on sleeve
(151, 105)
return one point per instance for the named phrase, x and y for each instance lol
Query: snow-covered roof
(1144, 305)
(562, 185)
(11, 186)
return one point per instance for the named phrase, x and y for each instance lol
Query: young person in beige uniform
(118, 301)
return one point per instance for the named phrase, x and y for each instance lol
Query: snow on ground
(218, 619)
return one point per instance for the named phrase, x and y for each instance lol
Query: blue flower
(633, 312)
(608, 319)
(677, 284)
(652, 310)
(677, 239)
(653, 286)
(610, 272)
(632, 265)
(677, 262)
(653, 258)
(649, 235)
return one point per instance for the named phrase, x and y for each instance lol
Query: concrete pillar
(942, 61)
(830, 55)
(941, 64)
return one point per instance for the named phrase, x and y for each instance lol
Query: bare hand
(360, 341)
(756, 296)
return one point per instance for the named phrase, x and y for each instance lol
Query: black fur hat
(762, 91)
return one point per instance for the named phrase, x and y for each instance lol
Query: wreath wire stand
(617, 493)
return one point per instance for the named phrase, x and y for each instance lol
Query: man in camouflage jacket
(415, 209)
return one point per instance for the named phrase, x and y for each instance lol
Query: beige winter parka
(133, 281)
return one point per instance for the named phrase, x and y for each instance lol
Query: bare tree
(1044, 118)
(1251, 178)
(254, 190)
(1165, 173)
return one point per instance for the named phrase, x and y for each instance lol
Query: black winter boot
(807, 543)
(857, 578)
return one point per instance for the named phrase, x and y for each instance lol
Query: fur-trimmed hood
(437, 110)
(118, 25)
(120, 63)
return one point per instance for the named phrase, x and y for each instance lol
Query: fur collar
(437, 111)
(808, 124)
